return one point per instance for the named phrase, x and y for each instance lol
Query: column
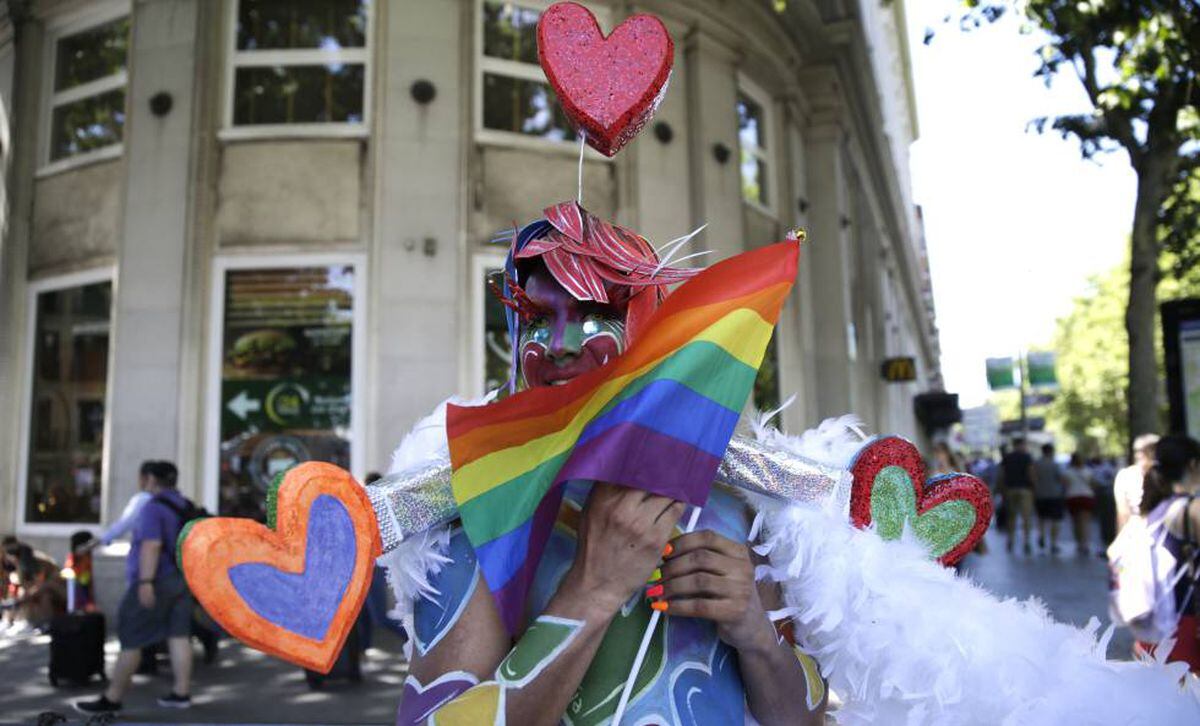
(418, 298)
(829, 255)
(23, 113)
(712, 119)
(145, 401)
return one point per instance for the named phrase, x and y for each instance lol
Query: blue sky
(1016, 222)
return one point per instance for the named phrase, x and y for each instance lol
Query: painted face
(569, 337)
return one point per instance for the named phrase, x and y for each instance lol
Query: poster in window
(285, 378)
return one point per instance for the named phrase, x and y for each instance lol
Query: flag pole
(645, 646)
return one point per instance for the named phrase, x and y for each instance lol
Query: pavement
(245, 686)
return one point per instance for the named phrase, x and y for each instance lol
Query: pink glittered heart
(608, 87)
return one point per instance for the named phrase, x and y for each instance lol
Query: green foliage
(1093, 360)
(1138, 62)
(1093, 366)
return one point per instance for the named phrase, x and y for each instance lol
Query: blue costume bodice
(689, 675)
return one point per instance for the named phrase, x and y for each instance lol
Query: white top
(1077, 483)
(1127, 490)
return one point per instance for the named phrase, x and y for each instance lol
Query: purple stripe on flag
(512, 596)
(638, 457)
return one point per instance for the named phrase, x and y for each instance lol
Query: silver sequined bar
(412, 502)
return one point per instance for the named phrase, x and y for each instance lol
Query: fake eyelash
(519, 303)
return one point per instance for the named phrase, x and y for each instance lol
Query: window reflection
(510, 32)
(515, 96)
(64, 475)
(526, 107)
(298, 94)
(752, 138)
(91, 55)
(87, 124)
(323, 83)
(286, 374)
(497, 349)
(766, 384)
(325, 24)
(87, 108)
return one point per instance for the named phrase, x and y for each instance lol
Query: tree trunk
(1143, 299)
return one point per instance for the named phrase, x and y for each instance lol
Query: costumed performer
(615, 555)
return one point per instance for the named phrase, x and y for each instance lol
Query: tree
(1138, 62)
(1093, 362)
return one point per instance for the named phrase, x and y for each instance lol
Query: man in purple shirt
(157, 605)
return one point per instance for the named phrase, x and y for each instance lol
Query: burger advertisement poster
(285, 378)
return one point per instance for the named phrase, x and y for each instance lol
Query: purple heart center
(305, 603)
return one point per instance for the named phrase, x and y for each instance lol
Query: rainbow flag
(657, 418)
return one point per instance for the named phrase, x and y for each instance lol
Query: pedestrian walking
(157, 604)
(1103, 472)
(1127, 489)
(1049, 488)
(1081, 502)
(1016, 486)
(1169, 495)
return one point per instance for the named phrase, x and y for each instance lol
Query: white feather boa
(902, 640)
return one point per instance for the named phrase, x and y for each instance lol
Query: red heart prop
(608, 87)
(294, 588)
(935, 509)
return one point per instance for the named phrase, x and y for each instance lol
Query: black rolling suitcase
(76, 648)
(347, 664)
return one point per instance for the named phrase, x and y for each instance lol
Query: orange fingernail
(660, 606)
(655, 591)
(668, 550)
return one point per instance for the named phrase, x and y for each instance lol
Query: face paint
(568, 338)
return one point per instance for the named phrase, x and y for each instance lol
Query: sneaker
(100, 705)
(172, 700)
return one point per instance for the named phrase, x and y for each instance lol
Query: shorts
(171, 616)
(1050, 509)
(1077, 505)
(1019, 503)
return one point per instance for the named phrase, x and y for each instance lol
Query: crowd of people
(1037, 495)
(1158, 491)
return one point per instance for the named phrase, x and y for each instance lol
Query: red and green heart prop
(608, 87)
(293, 588)
(949, 513)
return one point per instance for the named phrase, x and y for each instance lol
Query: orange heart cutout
(293, 588)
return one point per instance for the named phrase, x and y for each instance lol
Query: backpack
(188, 513)
(1143, 574)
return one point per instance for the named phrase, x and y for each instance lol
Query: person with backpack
(157, 604)
(1171, 510)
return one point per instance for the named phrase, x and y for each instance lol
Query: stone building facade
(243, 232)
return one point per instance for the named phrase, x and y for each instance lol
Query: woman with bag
(1169, 495)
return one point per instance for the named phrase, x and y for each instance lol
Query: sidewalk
(1073, 587)
(243, 686)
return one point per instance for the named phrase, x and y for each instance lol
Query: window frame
(107, 274)
(210, 468)
(93, 16)
(757, 94)
(525, 71)
(481, 262)
(235, 59)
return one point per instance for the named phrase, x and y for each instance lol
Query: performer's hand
(622, 534)
(712, 577)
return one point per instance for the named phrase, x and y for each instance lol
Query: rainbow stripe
(657, 418)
